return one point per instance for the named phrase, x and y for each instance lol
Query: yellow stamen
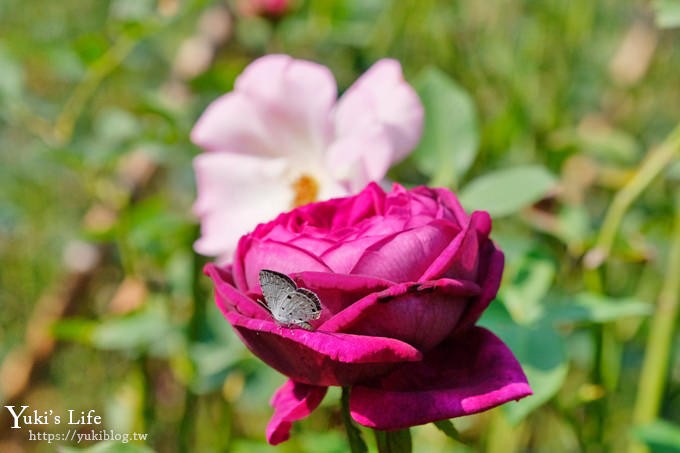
(306, 190)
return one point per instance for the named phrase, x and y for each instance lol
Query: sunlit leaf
(11, 76)
(148, 329)
(506, 191)
(595, 308)
(667, 13)
(660, 436)
(450, 137)
(523, 296)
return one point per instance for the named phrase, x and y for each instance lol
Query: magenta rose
(402, 278)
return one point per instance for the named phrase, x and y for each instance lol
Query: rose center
(306, 190)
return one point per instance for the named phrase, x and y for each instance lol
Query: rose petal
(277, 256)
(232, 123)
(229, 298)
(365, 204)
(363, 156)
(319, 357)
(293, 401)
(446, 199)
(231, 183)
(294, 98)
(420, 314)
(460, 258)
(404, 257)
(493, 271)
(382, 94)
(338, 291)
(470, 373)
(343, 256)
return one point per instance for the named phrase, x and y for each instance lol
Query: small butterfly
(287, 303)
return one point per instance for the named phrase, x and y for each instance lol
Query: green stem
(63, 129)
(394, 441)
(657, 354)
(656, 162)
(356, 443)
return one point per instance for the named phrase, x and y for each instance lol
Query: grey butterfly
(288, 304)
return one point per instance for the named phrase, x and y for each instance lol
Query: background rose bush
(402, 278)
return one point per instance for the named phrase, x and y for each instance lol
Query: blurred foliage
(541, 112)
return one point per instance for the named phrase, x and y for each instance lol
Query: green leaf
(446, 426)
(667, 13)
(148, 329)
(595, 308)
(540, 350)
(74, 329)
(660, 436)
(450, 138)
(394, 441)
(11, 76)
(505, 192)
(523, 297)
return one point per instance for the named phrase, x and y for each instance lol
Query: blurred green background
(557, 117)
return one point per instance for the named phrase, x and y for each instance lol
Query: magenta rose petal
(490, 285)
(293, 401)
(228, 298)
(338, 291)
(470, 373)
(460, 258)
(405, 256)
(280, 257)
(420, 314)
(319, 357)
(344, 256)
(446, 198)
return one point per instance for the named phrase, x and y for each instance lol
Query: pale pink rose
(280, 139)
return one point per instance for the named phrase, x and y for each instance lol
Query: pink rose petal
(242, 182)
(382, 94)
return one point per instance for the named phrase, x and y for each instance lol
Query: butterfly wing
(287, 303)
(275, 287)
(298, 307)
(312, 304)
